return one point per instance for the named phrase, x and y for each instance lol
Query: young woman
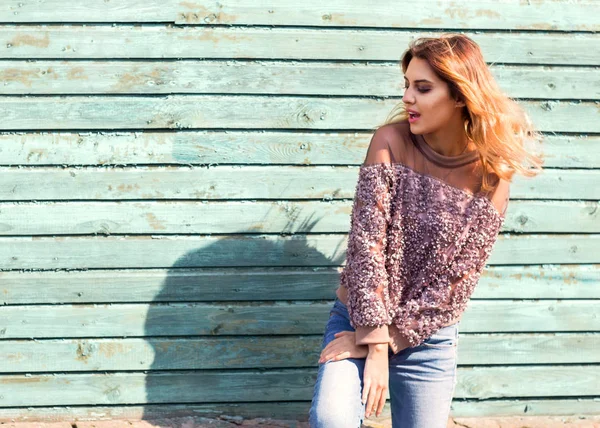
(430, 201)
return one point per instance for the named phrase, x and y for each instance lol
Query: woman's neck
(450, 141)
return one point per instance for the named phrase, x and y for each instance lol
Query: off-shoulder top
(420, 233)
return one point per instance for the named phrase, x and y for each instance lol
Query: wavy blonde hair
(497, 125)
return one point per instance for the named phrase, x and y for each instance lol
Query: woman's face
(429, 97)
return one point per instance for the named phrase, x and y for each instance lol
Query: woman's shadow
(237, 326)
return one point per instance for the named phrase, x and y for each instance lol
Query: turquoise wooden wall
(177, 179)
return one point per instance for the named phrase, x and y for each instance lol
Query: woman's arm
(365, 275)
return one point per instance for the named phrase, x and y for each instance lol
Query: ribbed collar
(448, 161)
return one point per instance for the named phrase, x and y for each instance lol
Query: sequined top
(420, 234)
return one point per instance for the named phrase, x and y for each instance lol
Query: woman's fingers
(330, 346)
(381, 402)
(337, 347)
(365, 392)
(341, 356)
(329, 352)
(342, 347)
(371, 400)
(334, 355)
(375, 405)
(374, 402)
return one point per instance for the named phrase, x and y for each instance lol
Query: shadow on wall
(240, 320)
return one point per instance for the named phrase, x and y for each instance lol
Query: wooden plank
(251, 77)
(528, 348)
(166, 217)
(527, 381)
(162, 42)
(278, 410)
(265, 284)
(208, 353)
(158, 354)
(272, 318)
(554, 15)
(527, 407)
(237, 147)
(180, 285)
(297, 410)
(218, 111)
(543, 216)
(136, 388)
(273, 385)
(245, 182)
(562, 151)
(539, 282)
(178, 251)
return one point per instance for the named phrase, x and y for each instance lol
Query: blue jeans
(421, 381)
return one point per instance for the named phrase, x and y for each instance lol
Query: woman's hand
(375, 379)
(342, 347)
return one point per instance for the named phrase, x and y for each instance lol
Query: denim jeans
(422, 380)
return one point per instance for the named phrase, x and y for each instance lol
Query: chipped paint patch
(29, 40)
(77, 73)
(154, 222)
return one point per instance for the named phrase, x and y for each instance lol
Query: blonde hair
(497, 125)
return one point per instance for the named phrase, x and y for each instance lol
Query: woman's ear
(459, 103)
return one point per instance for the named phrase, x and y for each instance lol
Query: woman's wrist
(378, 347)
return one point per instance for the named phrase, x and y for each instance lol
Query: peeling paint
(204, 15)
(25, 77)
(30, 40)
(77, 73)
(154, 223)
(110, 349)
(84, 351)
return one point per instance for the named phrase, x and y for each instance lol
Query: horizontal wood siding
(177, 185)
(482, 14)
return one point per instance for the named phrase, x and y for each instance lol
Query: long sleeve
(365, 275)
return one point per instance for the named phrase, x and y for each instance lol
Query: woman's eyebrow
(420, 80)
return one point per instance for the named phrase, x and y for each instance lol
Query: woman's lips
(413, 117)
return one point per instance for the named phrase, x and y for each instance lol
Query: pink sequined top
(421, 231)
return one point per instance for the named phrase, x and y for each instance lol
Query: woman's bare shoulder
(396, 137)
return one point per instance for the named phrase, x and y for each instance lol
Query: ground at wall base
(237, 421)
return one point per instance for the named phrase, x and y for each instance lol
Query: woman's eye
(421, 90)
